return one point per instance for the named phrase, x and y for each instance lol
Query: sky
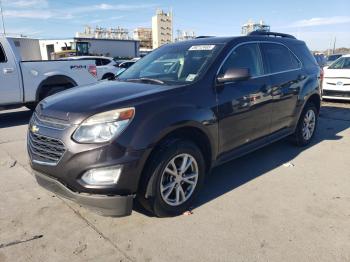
(316, 22)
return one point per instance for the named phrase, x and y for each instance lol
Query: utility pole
(335, 40)
(2, 18)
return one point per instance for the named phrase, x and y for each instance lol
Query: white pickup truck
(28, 82)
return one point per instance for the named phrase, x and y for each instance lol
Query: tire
(31, 106)
(308, 118)
(108, 77)
(171, 192)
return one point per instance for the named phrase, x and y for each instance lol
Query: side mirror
(234, 74)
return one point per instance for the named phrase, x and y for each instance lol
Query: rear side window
(304, 55)
(2, 55)
(105, 61)
(245, 56)
(98, 62)
(279, 58)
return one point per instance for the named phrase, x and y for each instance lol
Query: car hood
(78, 103)
(341, 73)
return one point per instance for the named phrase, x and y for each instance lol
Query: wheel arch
(55, 80)
(191, 133)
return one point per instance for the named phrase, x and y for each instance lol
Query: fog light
(102, 176)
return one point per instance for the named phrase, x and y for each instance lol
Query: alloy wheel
(179, 179)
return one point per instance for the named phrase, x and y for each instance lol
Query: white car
(28, 82)
(336, 80)
(106, 66)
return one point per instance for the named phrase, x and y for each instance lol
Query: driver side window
(245, 56)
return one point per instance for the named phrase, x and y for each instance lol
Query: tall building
(162, 28)
(251, 26)
(144, 35)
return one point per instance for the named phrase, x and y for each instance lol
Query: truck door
(10, 91)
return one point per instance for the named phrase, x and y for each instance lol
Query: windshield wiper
(146, 79)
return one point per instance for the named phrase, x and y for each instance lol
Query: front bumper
(103, 204)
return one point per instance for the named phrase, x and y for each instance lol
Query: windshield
(333, 57)
(341, 63)
(173, 64)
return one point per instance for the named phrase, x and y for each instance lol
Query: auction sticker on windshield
(201, 47)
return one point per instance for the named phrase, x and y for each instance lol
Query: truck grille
(45, 150)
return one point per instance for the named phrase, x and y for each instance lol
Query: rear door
(286, 78)
(244, 107)
(10, 89)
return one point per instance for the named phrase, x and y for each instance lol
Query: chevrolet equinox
(157, 130)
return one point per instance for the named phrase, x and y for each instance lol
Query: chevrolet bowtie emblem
(34, 129)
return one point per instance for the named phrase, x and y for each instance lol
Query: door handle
(8, 70)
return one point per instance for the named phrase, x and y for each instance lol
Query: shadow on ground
(14, 118)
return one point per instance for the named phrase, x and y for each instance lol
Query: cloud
(37, 14)
(320, 21)
(29, 9)
(26, 3)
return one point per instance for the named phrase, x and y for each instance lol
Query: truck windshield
(173, 64)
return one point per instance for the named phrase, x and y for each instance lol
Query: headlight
(103, 127)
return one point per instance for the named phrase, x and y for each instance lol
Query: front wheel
(307, 125)
(176, 175)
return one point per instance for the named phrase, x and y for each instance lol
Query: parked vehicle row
(155, 132)
(28, 82)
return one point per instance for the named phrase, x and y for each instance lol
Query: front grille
(335, 93)
(45, 150)
(49, 122)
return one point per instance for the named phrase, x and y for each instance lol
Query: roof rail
(204, 36)
(263, 33)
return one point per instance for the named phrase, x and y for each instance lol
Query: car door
(244, 107)
(286, 78)
(10, 89)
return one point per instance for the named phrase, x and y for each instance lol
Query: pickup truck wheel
(31, 106)
(176, 176)
(306, 127)
(108, 77)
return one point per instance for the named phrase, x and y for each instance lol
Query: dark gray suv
(156, 131)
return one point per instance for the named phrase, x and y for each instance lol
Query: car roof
(348, 55)
(227, 40)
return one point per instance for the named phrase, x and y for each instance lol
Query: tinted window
(279, 58)
(98, 62)
(304, 55)
(105, 61)
(2, 55)
(245, 56)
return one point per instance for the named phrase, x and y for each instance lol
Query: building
(53, 49)
(162, 28)
(184, 35)
(251, 26)
(104, 33)
(144, 35)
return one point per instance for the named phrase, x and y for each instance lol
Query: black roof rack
(263, 33)
(204, 36)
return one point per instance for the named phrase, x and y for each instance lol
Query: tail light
(92, 70)
(321, 80)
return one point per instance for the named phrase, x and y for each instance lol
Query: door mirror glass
(234, 74)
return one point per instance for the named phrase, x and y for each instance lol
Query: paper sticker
(190, 77)
(201, 47)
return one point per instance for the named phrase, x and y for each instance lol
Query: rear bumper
(104, 205)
